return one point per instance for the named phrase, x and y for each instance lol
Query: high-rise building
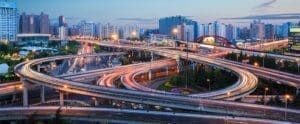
(87, 29)
(243, 33)
(108, 30)
(129, 31)
(257, 30)
(294, 39)
(99, 30)
(166, 25)
(62, 21)
(8, 21)
(185, 32)
(34, 24)
(231, 33)
(203, 30)
(63, 33)
(269, 32)
(44, 24)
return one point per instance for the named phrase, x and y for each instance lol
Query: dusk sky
(147, 12)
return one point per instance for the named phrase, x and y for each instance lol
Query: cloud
(266, 4)
(268, 17)
(137, 19)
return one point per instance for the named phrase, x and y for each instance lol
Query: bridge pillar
(39, 68)
(61, 98)
(110, 61)
(194, 66)
(69, 62)
(178, 65)
(96, 102)
(42, 94)
(25, 93)
(152, 56)
(150, 75)
(297, 91)
(140, 54)
(167, 70)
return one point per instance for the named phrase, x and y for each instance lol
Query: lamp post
(187, 58)
(227, 111)
(266, 89)
(287, 97)
(298, 64)
(208, 80)
(256, 64)
(114, 37)
(134, 34)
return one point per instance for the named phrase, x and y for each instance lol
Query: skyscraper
(185, 32)
(44, 24)
(269, 32)
(294, 39)
(62, 21)
(87, 29)
(257, 30)
(166, 25)
(8, 21)
(34, 23)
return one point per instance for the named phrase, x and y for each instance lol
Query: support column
(140, 54)
(194, 66)
(69, 62)
(178, 64)
(61, 98)
(152, 56)
(39, 68)
(297, 91)
(14, 97)
(110, 61)
(25, 93)
(96, 102)
(150, 75)
(42, 94)
(167, 70)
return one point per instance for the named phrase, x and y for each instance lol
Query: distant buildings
(294, 39)
(30, 24)
(87, 29)
(257, 30)
(62, 28)
(8, 21)
(269, 32)
(166, 26)
(185, 32)
(62, 21)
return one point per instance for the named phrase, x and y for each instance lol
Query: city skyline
(269, 10)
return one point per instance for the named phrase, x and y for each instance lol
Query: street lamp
(287, 97)
(298, 63)
(134, 34)
(266, 89)
(208, 80)
(227, 113)
(175, 32)
(256, 64)
(114, 37)
(65, 86)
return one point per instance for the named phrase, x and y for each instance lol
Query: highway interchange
(139, 94)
